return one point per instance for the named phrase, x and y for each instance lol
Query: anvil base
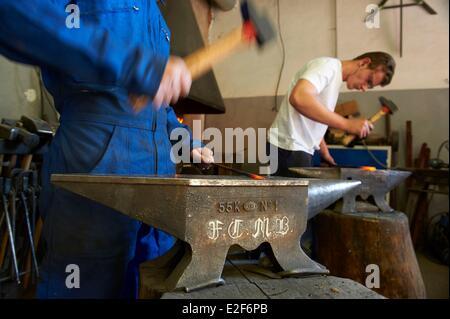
(163, 274)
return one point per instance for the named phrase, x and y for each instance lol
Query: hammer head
(389, 105)
(8, 132)
(260, 24)
(18, 134)
(36, 126)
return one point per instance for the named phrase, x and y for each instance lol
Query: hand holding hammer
(256, 28)
(387, 107)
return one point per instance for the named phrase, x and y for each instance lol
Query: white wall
(22, 93)
(19, 91)
(308, 31)
(428, 110)
(336, 28)
(424, 63)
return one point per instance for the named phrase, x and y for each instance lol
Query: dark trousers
(288, 159)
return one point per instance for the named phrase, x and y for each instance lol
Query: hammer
(387, 107)
(18, 134)
(43, 130)
(15, 134)
(256, 27)
(38, 127)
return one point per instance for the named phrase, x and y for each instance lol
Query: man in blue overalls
(121, 48)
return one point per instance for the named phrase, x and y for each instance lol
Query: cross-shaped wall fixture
(382, 6)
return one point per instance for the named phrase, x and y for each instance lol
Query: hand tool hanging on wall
(15, 133)
(5, 189)
(22, 179)
(38, 128)
(388, 107)
(36, 229)
(45, 133)
(256, 28)
(26, 137)
(2, 156)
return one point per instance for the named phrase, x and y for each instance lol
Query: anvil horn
(323, 193)
(395, 178)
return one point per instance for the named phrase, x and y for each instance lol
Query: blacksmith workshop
(224, 149)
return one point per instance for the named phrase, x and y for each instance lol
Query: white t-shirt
(293, 131)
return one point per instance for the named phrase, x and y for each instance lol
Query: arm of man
(325, 153)
(36, 33)
(304, 99)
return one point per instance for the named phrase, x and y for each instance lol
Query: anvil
(373, 183)
(209, 214)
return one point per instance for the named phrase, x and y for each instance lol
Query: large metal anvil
(373, 183)
(209, 214)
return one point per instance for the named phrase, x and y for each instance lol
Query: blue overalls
(99, 134)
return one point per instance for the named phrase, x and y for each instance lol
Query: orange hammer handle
(348, 139)
(379, 115)
(202, 60)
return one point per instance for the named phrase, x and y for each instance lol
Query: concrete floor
(435, 276)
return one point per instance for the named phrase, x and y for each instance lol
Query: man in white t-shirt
(308, 108)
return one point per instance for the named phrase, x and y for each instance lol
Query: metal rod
(2, 219)
(237, 171)
(13, 218)
(401, 6)
(11, 239)
(9, 278)
(2, 156)
(401, 28)
(30, 234)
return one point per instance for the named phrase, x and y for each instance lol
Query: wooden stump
(247, 280)
(348, 243)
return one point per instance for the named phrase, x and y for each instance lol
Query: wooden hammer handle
(202, 60)
(347, 140)
(377, 116)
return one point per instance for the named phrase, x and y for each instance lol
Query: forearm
(325, 153)
(35, 33)
(323, 145)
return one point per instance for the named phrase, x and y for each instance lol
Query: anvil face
(211, 214)
(373, 183)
